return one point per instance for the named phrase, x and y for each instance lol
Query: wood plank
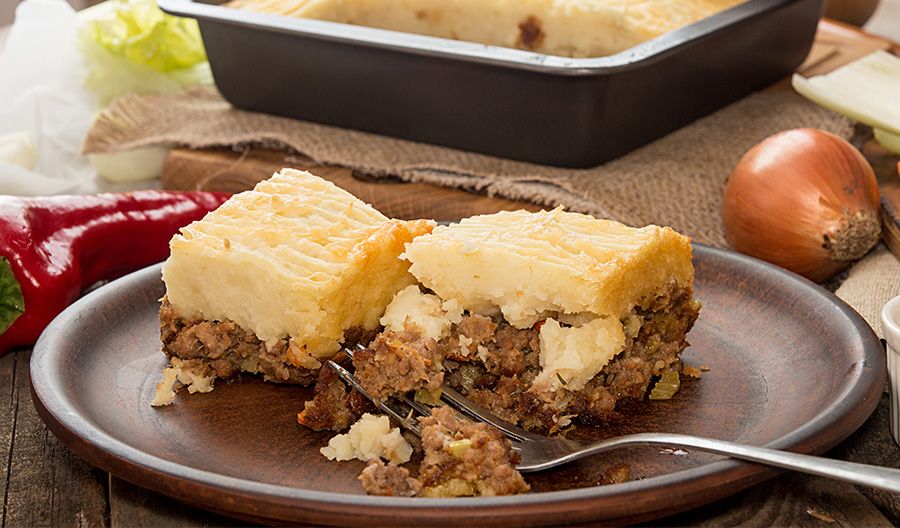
(47, 484)
(838, 44)
(134, 507)
(789, 500)
(872, 443)
(230, 171)
(885, 165)
(7, 424)
(799, 500)
(890, 216)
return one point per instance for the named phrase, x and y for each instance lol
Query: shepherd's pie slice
(538, 317)
(275, 280)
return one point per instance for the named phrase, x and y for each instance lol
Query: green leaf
(12, 304)
(141, 32)
(133, 46)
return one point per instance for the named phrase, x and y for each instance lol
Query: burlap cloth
(677, 180)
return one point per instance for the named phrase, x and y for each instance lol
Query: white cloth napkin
(42, 92)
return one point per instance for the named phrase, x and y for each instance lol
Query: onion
(139, 164)
(805, 200)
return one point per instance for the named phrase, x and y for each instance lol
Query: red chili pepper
(53, 248)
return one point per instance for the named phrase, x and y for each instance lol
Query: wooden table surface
(45, 484)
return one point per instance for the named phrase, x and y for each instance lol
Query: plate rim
(101, 448)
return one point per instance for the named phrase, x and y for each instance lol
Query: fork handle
(883, 478)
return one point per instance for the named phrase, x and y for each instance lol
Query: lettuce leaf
(133, 46)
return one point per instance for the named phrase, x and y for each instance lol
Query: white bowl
(890, 320)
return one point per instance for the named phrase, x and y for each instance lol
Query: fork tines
(403, 413)
(391, 408)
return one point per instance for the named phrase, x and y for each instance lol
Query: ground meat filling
(395, 364)
(223, 349)
(461, 458)
(497, 364)
(389, 480)
(466, 458)
(334, 407)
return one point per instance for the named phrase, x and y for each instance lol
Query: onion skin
(805, 200)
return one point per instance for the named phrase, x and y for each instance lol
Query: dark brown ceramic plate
(790, 367)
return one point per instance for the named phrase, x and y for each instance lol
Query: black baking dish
(504, 102)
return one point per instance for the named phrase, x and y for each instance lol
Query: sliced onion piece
(867, 90)
(888, 140)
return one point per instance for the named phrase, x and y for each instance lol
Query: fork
(542, 452)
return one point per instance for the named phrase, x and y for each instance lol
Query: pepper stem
(12, 303)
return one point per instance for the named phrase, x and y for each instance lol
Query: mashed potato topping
(311, 260)
(369, 438)
(430, 316)
(571, 356)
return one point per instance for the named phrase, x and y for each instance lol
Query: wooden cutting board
(230, 171)
(836, 44)
(888, 173)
